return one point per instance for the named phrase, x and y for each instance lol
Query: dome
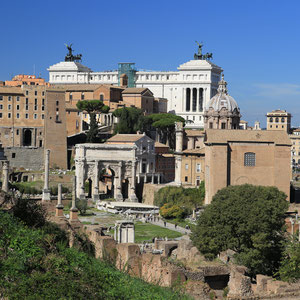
(222, 99)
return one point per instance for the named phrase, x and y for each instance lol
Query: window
(43, 93)
(82, 96)
(249, 159)
(0, 115)
(43, 104)
(198, 168)
(71, 96)
(13, 155)
(9, 106)
(211, 125)
(9, 98)
(223, 126)
(18, 98)
(186, 178)
(18, 116)
(277, 120)
(271, 120)
(26, 116)
(35, 104)
(282, 120)
(17, 132)
(35, 93)
(43, 116)
(270, 126)
(1, 98)
(57, 102)
(1, 106)
(26, 93)
(9, 115)
(18, 107)
(186, 166)
(35, 116)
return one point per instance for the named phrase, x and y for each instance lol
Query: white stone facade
(188, 90)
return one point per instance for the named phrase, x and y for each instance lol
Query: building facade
(279, 120)
(188, 89)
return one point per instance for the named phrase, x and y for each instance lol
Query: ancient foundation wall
(26, 158)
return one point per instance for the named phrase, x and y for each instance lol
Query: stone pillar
(183, 97)
(59, 211)
(119, 196)
(178, 161)
(124, 232)
(179, 136)
(80, 179)
(46, 191)
(5, 168)
(96, 182)
(133, 197)
(74, 210)
(152, 179)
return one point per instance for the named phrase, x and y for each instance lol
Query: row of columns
(193, 99)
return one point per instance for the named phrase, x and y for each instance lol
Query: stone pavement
(171, 226)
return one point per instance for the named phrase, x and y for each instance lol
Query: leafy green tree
(289, 269)
(187, 199)
(247, 219)
(131, 120)
(165, 126)
(92, 107)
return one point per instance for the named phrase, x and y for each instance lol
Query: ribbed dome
(222, 99)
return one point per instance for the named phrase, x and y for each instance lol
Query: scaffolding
(129, 70)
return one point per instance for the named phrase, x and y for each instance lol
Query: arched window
(277, 120)
(249, 159)
(101, 97)
(282, 120)
(271, 120)
(82, 96)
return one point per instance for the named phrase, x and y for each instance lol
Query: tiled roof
(191, 132)
(11, 90)
(134, 90)
(125, 138)
(216, 136)
(195, 151)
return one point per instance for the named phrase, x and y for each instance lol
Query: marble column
(133, 197)
(80, 180)
(59, 212)
(74, 210)
(46, 191)
(178, 161)
(5, 168)
(119, 196)
(96, 182)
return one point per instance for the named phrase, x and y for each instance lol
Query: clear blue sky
(257, 43)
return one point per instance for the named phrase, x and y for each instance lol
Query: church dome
(222, 99)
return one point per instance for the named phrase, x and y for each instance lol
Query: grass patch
(146, 232)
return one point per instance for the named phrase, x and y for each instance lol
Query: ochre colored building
(164, 162)
(235, 157)
(279, 120)
(20, 80)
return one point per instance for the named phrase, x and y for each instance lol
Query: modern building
(188, 89)
(279, 120)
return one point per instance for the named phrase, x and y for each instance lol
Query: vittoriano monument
(199, 55)
(70, 56)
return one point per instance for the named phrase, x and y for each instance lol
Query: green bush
(37, 264)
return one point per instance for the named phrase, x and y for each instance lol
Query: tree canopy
(165, 126)
(178, 202)
(247, 219)
(131, 120)
(92, 107)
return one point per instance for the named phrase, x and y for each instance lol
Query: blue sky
(257, 43)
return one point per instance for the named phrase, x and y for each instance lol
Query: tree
(171, 198)
(131, 120)
(289, 269)
(165, 126)
(247, 219)
(92, 107)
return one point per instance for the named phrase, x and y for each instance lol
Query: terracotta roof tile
(119, 138)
